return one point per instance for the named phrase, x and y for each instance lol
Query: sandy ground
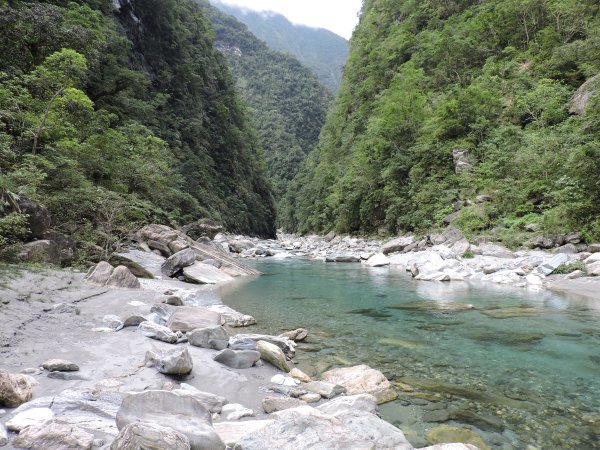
(31, 331)
(588, 287)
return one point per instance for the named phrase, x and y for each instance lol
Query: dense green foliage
(492, 77)
(321, 50)
(288, 105)
(113, 118)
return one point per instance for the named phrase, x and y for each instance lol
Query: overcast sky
(339, 16)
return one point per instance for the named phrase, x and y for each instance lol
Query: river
(513, 367)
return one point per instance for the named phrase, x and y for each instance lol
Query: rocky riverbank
(567, 266)
(113, 360)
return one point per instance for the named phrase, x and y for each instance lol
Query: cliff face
(121, 113)
(287, 103)
(459, 111)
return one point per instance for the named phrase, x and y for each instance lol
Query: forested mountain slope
(461, 105)
(287, 103)
(124, 115)
(321, 50)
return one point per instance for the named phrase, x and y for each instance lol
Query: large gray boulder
(182, 413)
(205, 274)
(304, 428)
(397, 245)
(41, 252)
(54, 435)
(143, 435)
(324, 389)
(177, 361)
(189, 318)
(213, 403)
(92, 411)
(237, 359)
(214, 337)
(361, 402)
(100, 274)
(158, 332)
(104, 274)
(178, 261)
(15, 389)
(122, 277)
(362, 379)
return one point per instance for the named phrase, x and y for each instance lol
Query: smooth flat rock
(205, 274)
(362, 379)
(237, 359)
(158, 332)
(15, 389)
(54, 435)
(144, 435)
(33, 416)
(214, 337)
(177, 361)
(182, 413)
(274, 355)
(189, 318)
(60, 365)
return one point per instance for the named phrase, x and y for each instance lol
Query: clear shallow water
(521, 368)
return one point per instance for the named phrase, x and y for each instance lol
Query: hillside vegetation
(115, 117)
(321, 50)
(489, 82)
(288, 105)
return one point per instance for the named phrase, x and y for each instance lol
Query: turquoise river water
(521, 368)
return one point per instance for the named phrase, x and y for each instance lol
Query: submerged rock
(448, 433)
(509, 313)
